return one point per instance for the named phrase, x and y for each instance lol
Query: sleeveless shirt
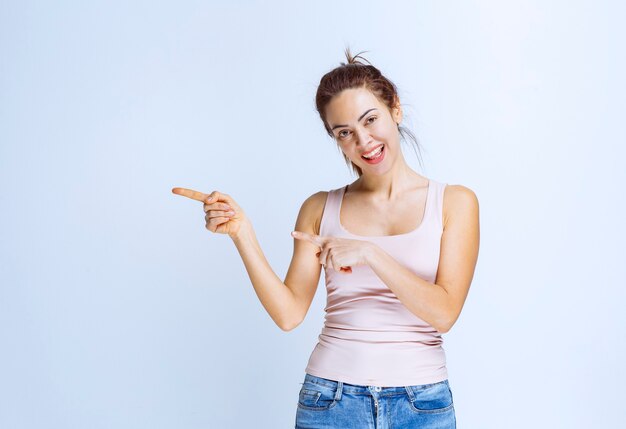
(369, 337)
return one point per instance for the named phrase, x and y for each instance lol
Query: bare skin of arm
(288, 301)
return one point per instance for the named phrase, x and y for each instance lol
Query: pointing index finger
(315, 239)
(190, 193)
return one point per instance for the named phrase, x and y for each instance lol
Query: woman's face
(362, 125)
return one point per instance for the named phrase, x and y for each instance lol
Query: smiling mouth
(375, 154)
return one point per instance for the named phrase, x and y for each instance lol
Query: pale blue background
(118, 309)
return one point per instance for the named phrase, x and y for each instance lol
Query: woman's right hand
(223, 214)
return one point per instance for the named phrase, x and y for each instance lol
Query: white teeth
(373, 153)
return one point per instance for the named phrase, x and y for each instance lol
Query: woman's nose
(363, 137)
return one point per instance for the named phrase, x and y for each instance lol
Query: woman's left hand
(341, 254)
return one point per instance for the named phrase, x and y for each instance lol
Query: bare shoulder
(458, 200)
(312, 209)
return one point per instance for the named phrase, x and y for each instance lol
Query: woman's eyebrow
(361, 117)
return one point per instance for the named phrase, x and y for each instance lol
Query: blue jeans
(324, 403)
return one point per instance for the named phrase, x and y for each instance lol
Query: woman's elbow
(289, 326)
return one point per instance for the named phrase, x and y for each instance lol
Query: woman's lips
(377, 159)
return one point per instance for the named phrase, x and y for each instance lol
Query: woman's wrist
(371, 253)
(244, 233)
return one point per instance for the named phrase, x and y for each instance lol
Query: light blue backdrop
(118, 309)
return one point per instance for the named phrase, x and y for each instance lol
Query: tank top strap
(434, 207)
(329, 224)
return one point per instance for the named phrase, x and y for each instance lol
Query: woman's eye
(341, 134)
(371, 119)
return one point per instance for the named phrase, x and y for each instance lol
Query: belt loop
(409, 392)
(339, 390)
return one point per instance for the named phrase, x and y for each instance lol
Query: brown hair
(355, 74)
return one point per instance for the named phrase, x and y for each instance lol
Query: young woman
(398, 252)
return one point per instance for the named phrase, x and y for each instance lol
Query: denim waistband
(339, 387)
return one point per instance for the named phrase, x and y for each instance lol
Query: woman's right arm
(286, 302)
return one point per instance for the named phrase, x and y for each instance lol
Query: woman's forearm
(426, 300)
(277, 299)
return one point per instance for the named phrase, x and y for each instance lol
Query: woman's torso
(369, 337)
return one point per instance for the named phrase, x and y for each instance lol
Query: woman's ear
(396, 112)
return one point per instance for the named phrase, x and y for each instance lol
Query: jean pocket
(431, 398)
(316, 397)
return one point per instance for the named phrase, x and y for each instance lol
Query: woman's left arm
(439, 303)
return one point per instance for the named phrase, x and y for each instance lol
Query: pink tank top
(369, 337)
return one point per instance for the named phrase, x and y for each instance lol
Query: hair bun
(353, 59)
